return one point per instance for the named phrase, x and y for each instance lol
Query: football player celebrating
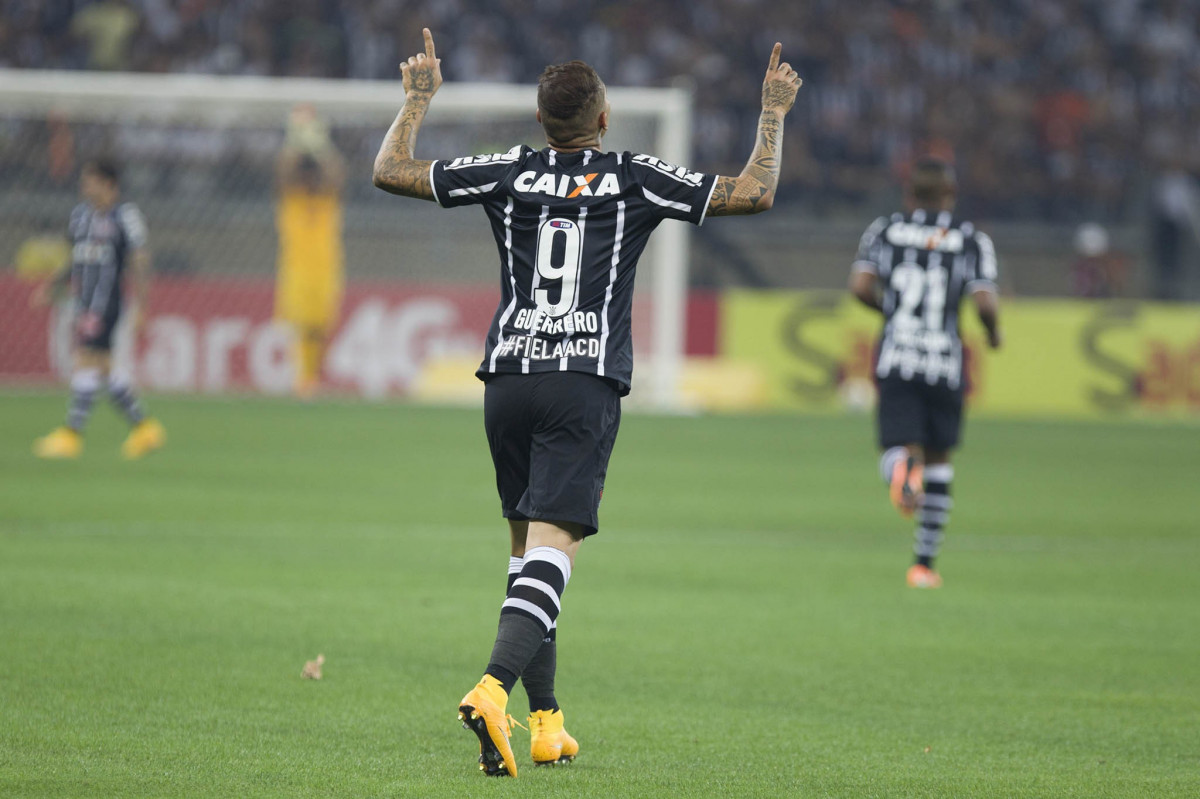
(570, 222)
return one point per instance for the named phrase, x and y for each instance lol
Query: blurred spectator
(1048, 107)
(1174, 229)
(1098, 270)
(107, 28)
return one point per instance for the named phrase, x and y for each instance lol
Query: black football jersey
(569, 229)
(101, 243)
(926, 264)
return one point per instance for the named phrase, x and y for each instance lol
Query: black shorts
(551, 435)
(914, 412)
(97, 335)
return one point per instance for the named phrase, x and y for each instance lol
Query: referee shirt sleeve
(672, 192)
(867, 259)
(471, 179)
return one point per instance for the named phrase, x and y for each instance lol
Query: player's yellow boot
(62, 443)
(146, 436)
(907, 485)
(923, 577)
(549, 742)
(482, 711)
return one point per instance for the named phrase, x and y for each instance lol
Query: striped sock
(933, 512)
(538, 676)
(529, 612)
(84, 385)
(515, 565)
(120, 391)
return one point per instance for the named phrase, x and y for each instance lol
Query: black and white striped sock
(514, 570)
(538, 676)
(529, 612)
(933, 512)
(84, 385)
(121, 392)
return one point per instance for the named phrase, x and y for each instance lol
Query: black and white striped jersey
(101, 244)
(926, 263)
(570, 229)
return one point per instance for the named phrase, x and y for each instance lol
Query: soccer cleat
(146, 436)
(549, 743)
(482, 712)
(62, 443)
(907, 485)
(923, 577)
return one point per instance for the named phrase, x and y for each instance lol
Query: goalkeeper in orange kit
(308, 290)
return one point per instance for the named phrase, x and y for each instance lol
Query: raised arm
(396, 171)
(753, 191)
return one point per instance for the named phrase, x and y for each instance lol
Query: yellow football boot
(482, 711)
(147, 436)
(550, 743)
(62, 443)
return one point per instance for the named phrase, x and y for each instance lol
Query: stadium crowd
(1056, 109)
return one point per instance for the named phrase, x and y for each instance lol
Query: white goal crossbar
(247, 101)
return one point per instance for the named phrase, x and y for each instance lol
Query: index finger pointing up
(774, 56)
(429, 53)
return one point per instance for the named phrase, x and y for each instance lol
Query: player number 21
(559, 249)
(913, 286)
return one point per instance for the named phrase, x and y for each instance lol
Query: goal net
(197, 155)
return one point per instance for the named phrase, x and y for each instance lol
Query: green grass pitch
(740, 627)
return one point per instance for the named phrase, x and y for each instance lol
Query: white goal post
(232, 102)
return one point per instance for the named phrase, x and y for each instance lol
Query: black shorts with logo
(915, 412)
(551, 434)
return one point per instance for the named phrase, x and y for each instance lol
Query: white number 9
(551, 233)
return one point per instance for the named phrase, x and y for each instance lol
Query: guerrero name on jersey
(570, 228)
(101, 244)
(925, 266)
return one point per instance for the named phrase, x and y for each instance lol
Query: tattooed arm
(753, 191)
(396, 171)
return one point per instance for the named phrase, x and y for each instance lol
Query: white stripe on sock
(545, 588)
(555, 557)
(529, 607)
(939, 473)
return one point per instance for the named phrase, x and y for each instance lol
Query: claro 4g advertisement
(1075, 358)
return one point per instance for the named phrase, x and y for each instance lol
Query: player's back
(926, 264)
(569, 228)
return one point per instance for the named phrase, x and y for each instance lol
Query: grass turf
(739, 628)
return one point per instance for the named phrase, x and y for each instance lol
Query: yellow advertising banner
(815, 349)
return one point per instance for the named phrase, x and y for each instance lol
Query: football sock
(529, 612)
(122, 395)
(933, 512)
(514, 571)
(84, 385)
(888, 461)
(539, 674)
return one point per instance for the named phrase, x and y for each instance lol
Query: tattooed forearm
(396, 171)
(753, 190)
